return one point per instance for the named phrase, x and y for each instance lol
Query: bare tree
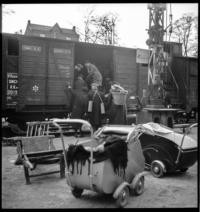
(183, 32)
(105, 29)
(87, 23)
(193, 47)
(100, 29)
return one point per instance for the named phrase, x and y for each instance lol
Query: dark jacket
(79, 99)
(95, 117)
(116, 113)
(80, 84)
(79, 104)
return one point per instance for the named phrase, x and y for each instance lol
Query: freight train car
(36, 70)
(185, 70)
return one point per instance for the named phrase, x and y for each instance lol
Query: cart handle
(78, 121)
(63, 144)
(180, 147)
(74, 121)
(190, 127)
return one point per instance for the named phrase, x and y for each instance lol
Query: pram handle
(74, 121)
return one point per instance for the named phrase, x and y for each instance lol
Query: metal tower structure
(154, 110)
(157, 62)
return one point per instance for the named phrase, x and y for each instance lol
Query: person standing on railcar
(94, 75)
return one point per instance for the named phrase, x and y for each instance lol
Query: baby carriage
(109, 164)
(164, 149)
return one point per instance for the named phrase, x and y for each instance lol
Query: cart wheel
(183, 170)
(77, 192)
(139, 187)
(123, 197)
(157, 169)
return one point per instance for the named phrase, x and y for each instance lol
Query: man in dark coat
(96, 115)
(79, 101)
(79, 98)
(116, 113)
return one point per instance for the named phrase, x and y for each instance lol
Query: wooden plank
(43, 153)
(36, 144)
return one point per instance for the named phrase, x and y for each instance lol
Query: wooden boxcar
(36, 70)
(185, 70)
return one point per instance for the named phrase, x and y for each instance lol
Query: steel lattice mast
(156, 65)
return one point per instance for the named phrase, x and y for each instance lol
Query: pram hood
(153, 129)
(168, 133)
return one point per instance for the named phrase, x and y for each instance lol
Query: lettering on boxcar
(31, 48)
(60, 66)
(62, 51)
(12, 88)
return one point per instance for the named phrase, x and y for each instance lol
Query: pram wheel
(157, 168)
(123, 197)
(138, 187)
(77, 192)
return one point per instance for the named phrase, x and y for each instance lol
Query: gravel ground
(172, 191)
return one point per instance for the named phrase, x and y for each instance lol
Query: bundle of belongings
(119, 94)
(114, 148)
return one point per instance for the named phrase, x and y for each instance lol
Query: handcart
(109, 164)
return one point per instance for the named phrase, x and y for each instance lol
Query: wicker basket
(119, 98)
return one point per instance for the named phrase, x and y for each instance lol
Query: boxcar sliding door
(32, 73)
(129, 71)
(46, 66)
(125, 70)
(60, 72)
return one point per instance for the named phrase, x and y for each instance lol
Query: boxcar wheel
(157, 169)
(123, 197)
(77, 192)
(139, 186)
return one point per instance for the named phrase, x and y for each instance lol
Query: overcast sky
(131, 27)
